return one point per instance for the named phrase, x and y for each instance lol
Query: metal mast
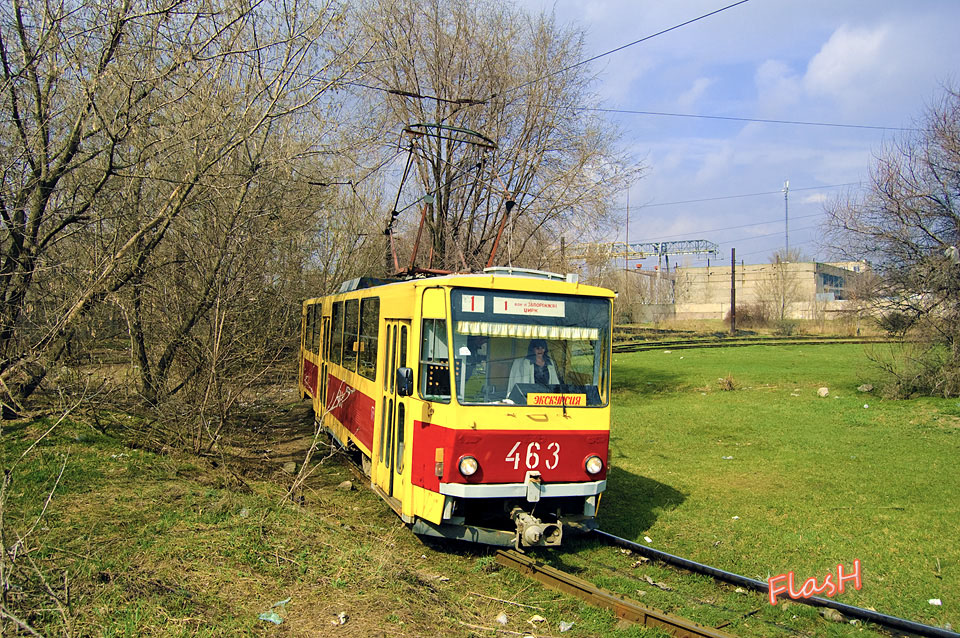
(786, 220)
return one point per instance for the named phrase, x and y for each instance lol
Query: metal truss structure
(645, 249)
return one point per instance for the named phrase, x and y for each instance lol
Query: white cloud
(629, 71)
(869, 63)
(849, 64)
(778, 87)
(689, 98)
(816, 198)
(595, 11)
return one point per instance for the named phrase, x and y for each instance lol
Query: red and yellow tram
(478, 403)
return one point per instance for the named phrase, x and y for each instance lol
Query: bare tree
(123, 117)
(907, 225)
(863, 294)
(779, 289)
(453, 70)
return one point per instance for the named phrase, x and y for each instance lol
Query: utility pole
(626, 248)
(626, 260)
(786, 220)
(733, 291)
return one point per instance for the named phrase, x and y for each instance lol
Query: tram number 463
(532, 456)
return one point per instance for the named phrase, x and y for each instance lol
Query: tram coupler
(531, 531)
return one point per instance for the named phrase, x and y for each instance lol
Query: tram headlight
(593, 464)
(468, 465)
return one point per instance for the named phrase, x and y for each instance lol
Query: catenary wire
(622, 47)
(740, 239)
(717, 230)
(717, 198)
(747, 119)
(472, 101)
(752, 237)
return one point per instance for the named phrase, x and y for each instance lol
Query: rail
(732, 342)
(623, 607)
(890, 622)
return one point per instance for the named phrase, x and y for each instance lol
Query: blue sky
(873, 63)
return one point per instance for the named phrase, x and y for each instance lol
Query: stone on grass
(833, 615)
(346, 486)
(866, 387)
(290, 467)
(822, 392)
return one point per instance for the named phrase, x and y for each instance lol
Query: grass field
(138, 543)
(768, 477)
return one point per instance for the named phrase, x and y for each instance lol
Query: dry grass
(170, 545)
(839, 327)
(727, 383)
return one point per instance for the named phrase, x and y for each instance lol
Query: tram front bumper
(522, 490)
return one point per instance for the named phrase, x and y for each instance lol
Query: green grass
(167, 545)
(770, 477)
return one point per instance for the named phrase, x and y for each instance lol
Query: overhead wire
(477, 101)
(718, 230)
(721, 197)
(740, 226)
(748, 119)
(752, 237)
(621, 48)
(474, 101)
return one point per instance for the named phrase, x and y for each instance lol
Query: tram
(478, 404)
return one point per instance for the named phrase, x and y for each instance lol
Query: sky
(875, 63)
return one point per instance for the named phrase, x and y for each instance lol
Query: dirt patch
(268, 437)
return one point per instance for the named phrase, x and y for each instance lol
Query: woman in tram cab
(537, 367)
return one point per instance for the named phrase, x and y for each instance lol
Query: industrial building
(800, 290)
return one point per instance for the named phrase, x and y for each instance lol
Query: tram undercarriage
(514, 522)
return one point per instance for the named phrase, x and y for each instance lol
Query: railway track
(681, 627)
(677, 626)
(733, 342)
(598, 597)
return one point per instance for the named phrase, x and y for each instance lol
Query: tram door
(394, 422)
(322, 373)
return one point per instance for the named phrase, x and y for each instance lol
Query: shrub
(919, 369)
(727, 383)
(896, 323)
(751, 316)
(785, 327)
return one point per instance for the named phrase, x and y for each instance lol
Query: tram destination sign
(520, 306)
(568, 400)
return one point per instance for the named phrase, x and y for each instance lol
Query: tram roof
(485, 279)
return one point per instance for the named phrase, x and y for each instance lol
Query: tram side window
(313, 328)
(351, 328)
(434, 361)
(317, 325)
(336, 345)
(369, 327)
(307, 327)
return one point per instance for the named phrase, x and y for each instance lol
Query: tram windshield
(526, 348)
